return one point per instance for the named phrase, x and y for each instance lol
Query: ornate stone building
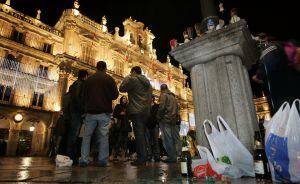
(39, 62)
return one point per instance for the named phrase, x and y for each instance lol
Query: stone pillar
(63, 84)
(218, 63)
(12, 144)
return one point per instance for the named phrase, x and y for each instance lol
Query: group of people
(89, 102)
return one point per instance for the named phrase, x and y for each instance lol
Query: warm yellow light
(31, 128)
(76, 12)
(18, 117)
(57, 108)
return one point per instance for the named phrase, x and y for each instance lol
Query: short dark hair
(136, 69)
(82, 74)
(163, 87)
(101, 65)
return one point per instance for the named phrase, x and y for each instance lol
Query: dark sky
(169, 18)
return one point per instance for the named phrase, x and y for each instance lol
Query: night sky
(169, 18)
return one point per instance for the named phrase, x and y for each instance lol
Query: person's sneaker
(83, 164)
(137, 163)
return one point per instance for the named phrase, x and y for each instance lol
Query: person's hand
(122, 113)
(131, 136)
(255, 79)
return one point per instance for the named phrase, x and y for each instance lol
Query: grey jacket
(139, 92)
(168, 109)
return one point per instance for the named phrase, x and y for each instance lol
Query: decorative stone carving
(76, 4)
(38, 15)
(7, 2)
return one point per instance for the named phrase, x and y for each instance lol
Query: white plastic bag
(283, 144)
(237, 152)
(218, 168)
(227, 149)
(63, 161)
(214, 139)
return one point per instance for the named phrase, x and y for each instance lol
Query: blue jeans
(139, 128)
(169, 141)
(178, 142)
(101, 122)
(75, 125)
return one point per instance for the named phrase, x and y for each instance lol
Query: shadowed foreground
(43, 170)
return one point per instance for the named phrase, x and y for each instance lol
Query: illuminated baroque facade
(39, 62)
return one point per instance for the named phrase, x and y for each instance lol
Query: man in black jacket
(99, 91)
(76, 93)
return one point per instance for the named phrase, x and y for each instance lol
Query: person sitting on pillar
(139, 92)
(76, 92)
(167, 116)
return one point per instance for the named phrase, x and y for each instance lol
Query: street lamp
(18, 117)
(31, 128)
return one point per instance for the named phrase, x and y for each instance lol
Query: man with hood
(139, 92)
(167, 116)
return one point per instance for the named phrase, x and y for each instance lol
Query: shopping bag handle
(294, 103)
(213, 128)
(221, 123)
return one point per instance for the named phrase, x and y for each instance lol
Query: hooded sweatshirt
(139, 92)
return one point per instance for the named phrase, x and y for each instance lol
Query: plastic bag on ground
(283, 143)
(227, 149)
(208, 166)
(237, 152)
(63, 161)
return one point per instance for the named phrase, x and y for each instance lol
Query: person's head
(290, 48)
(234, 11)
(82, 74)
(163, 87)
(136, 70)
(123, 100)
(101, 66)
(153, 99)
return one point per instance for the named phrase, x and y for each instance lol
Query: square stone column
(218, 64)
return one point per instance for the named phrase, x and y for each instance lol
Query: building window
(88, 55)
(47, 48)
(38, 99)
(5, 93)
(119, 68)
(43, 71)
(18, 36)
(10, 63)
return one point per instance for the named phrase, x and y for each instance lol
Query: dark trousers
(121, 143)
(153, 149)
(73, 133)
(139, 129)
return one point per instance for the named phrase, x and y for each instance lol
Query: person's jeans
(74, 129)
(178, 142)
(101, 122)
(169, 142)
(139, 129)
(153, 148)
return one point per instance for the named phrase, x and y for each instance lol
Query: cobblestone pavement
(43, 170)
